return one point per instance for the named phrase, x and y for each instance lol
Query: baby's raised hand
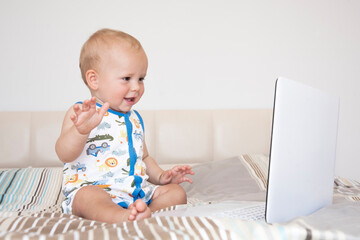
(176, 175)
(87, 118)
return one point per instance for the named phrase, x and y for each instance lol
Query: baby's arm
(160, 177)
(78, 123)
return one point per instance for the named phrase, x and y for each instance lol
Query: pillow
(244, 178)
(30, 189)
(239, 178)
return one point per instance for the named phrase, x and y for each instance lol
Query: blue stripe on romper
(132, 153)
(138, 192)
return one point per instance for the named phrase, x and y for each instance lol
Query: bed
(224, 146)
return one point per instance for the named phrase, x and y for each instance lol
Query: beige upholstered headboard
(172, 136)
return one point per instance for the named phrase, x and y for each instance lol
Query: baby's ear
(92, 79)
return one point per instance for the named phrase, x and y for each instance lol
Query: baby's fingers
(77, 109)
(186, 179)
(77, 112)
(73, 118)
(86, 105)
(184, 170)
(103, 109)
(92, 104)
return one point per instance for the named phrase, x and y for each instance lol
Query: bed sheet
(30, 201)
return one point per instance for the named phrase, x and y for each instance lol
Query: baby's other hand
(87, 118)
(176, 175)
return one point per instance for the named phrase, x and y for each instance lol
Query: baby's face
(120, 77)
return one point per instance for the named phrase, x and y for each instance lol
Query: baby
(108, 173)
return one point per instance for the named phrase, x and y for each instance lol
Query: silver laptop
(302, 158)
(302, 152)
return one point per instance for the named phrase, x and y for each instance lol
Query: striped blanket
(30, 201)
(30, 190)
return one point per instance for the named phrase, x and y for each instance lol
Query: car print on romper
(94, 150)
(79, 167)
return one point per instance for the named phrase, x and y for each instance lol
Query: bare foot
(139, 210)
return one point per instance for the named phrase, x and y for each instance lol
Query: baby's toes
(133, 214)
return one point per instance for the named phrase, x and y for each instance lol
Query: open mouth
(130, 100)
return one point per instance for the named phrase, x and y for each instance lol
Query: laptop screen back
(302, 152)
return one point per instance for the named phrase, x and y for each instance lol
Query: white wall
(203, 54)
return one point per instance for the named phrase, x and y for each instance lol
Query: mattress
(30, 208)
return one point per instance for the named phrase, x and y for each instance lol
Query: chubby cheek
(119, 92)
(141, 93)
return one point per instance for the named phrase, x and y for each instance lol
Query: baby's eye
(141, 79)
(126, 78)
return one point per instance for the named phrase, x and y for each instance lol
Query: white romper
(112, 160)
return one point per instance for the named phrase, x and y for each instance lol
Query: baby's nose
(135, 86)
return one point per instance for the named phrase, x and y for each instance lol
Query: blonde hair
(100, 41)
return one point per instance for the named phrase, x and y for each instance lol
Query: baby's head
(113, 65)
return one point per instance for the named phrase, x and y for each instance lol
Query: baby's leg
(166, 196)
(92, 202)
